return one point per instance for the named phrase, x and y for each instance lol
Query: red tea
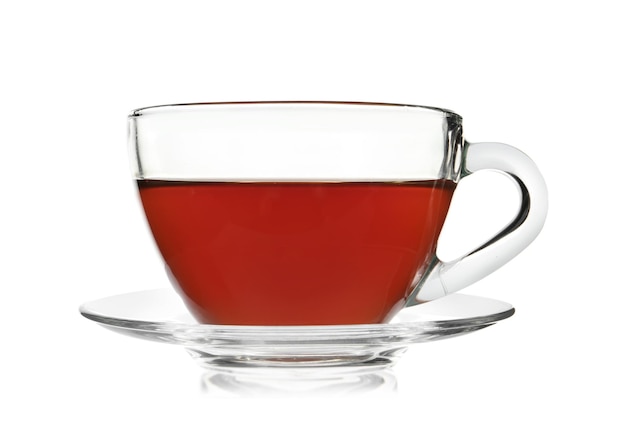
(295, 253)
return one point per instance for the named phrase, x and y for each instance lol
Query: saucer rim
(290, 330)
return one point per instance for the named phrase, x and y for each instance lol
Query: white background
(545, 76)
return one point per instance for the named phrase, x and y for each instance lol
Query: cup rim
(170, 108)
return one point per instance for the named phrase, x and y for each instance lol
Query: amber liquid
(295, 253)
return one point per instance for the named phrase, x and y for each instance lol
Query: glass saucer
(160, 315)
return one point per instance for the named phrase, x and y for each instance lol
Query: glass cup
(309, 213)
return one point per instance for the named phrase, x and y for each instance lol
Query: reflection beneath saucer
(274, 383)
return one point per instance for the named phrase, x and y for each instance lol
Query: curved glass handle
(447, 277)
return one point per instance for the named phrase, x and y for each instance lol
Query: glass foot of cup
(309, 362)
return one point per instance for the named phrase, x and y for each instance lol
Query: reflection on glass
(276, 383)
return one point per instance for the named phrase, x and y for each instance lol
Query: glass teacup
(309, 213)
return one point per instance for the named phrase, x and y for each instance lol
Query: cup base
(328, 363)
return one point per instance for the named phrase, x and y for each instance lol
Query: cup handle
(444, 278)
